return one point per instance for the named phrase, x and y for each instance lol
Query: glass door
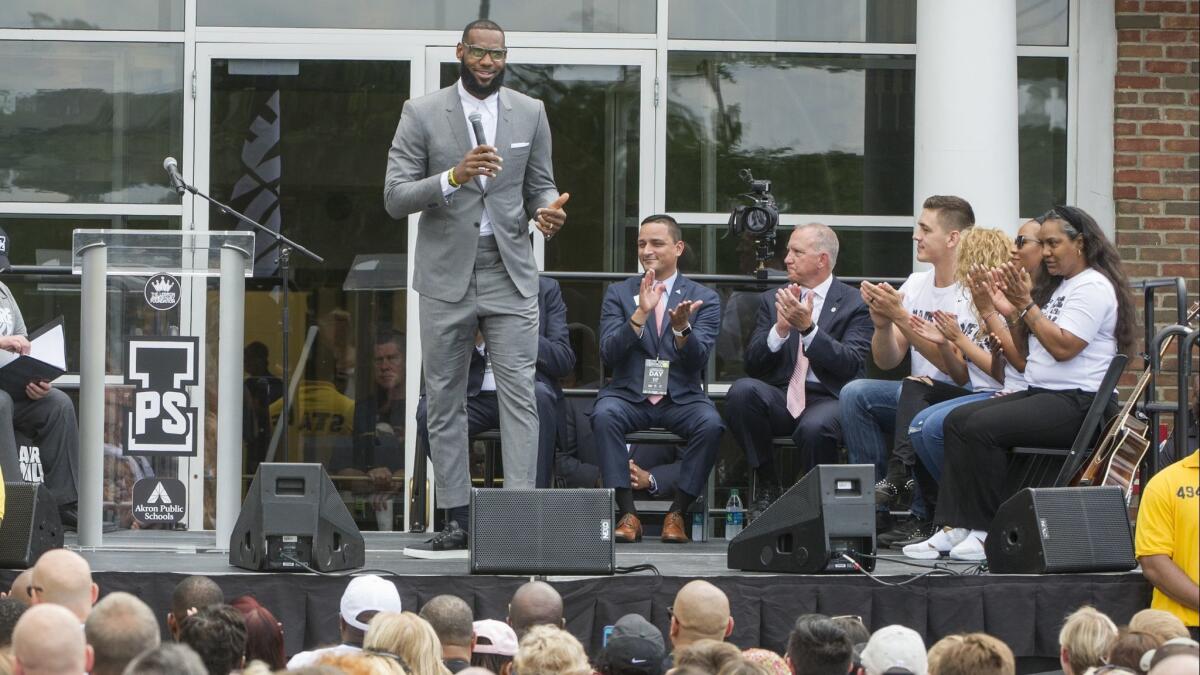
(296, 137)
(600, 104)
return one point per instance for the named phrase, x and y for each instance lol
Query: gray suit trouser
(50, 422)
(509, 323)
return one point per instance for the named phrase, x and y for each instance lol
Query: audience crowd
(52, 624)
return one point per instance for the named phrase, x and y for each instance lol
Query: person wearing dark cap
(636, 627)
(43, 413)
(631, 656)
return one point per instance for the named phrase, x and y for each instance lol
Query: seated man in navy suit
(555, 360)
(653, 467)
(810, 338)
(656, 374)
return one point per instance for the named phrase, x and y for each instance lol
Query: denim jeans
(926, 434)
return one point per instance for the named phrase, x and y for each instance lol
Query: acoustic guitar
(1125, 440)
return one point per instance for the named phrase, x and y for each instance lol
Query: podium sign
(163, 367)
(162, 421)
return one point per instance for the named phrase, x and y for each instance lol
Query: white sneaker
(971, 548)
(937, 545)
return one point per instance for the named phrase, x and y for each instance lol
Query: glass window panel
(46, 240)
(834, 133)
(1042, 22)
(809, 21)
(89, 122)
(576, 16)
(1042, 134)
(594, 113)
(92, 15)
(271, 156)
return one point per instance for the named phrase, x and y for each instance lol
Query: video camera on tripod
(757, 220)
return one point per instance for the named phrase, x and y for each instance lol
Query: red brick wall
(1156, 159)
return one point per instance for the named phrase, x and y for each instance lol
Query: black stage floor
(1026, 611)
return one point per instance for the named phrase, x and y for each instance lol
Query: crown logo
(162, 285)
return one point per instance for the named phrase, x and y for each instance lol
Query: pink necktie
(660, 311)
(795, 392)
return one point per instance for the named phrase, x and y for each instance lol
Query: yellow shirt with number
(1168, 523)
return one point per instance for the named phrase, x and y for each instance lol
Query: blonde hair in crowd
(547, 650)
(408, 636)
(971, 654)
(983, 246)
(1085, 635)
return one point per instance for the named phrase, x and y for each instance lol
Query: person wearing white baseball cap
(895, 649)
(364, 597)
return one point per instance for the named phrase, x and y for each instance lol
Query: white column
(966, 107)
(93, 315)
(229, 390)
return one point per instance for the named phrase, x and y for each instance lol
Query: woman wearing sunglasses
(1073, 334)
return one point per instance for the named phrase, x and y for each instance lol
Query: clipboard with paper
(46, 360)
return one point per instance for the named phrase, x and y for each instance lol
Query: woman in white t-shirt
(1074, 334)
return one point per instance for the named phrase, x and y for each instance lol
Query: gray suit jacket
(431, 138)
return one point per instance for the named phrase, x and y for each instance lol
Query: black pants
(915, 396)
(979, 436)
(755, 411)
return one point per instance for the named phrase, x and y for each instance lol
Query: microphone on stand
(172, 169)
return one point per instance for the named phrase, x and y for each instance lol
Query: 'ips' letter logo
(161, 422)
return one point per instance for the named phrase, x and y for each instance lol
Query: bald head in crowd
(119, 628)
(700, 612)
(20, 588)
(64, 578)
(48, 641)
(535, 604)
(193, 593)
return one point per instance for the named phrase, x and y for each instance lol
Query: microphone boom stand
(285, 250)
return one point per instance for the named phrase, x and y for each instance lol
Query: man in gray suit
(473, 264)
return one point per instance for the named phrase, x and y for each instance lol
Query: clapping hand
(1015, 283)
(947, 325)
(926, 329)
(792, 312)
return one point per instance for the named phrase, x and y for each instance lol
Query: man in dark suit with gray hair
(811, 337)
(474, 159)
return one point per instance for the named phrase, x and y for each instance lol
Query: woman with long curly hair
(1086, 318)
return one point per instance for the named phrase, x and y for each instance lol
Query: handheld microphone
(477, 125)
(172, 169)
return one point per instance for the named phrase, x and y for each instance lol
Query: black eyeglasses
(1021, 240)
(480, 52)
(1068, 215)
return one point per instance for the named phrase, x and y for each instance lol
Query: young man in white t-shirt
(869, 406)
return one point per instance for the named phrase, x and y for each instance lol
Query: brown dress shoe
(629, 529)
(672, 531)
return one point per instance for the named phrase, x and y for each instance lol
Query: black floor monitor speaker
(1082, 529)
(31, 525)
(541, 531)
(830, 512)
(293, 514)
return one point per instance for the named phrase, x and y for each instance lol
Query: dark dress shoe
(629, 529)
(673, 531)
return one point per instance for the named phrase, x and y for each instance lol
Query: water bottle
(698, 527)
(735, 515)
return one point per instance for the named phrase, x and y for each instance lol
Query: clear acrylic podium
(100, 255)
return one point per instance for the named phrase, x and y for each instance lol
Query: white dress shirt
(487, 109)
(775, 342)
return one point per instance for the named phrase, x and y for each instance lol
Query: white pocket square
(520, 145)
